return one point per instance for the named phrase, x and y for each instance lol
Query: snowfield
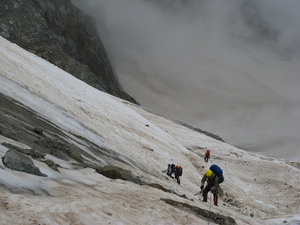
(257, 189)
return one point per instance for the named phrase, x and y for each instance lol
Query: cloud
(284, 17)
(137, 24)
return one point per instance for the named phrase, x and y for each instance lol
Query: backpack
(173, 168)
(179, 168)
(217, 170)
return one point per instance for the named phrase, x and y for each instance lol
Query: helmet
(208, 173)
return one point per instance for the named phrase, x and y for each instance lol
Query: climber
(212, 185)
(171, 169)
(178, 173)
(176, 170)
(207, 155)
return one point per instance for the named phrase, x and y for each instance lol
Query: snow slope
(257, 189)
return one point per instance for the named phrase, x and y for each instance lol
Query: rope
(210, 208)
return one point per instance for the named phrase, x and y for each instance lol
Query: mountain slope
(63, 35)
(86, 129)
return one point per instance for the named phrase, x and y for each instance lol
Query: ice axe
(199, 192)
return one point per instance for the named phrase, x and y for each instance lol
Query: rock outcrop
(20, 162)
(63, 35)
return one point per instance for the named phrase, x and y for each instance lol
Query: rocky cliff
(63, 35)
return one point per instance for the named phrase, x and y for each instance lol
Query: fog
(229, 67)
(140, 25)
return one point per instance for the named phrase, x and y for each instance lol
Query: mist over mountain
(229, 67)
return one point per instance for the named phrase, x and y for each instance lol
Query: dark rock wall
(63, 35)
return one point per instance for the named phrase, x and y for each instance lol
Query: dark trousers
(206, 158)
(205, 192)
(177, 178)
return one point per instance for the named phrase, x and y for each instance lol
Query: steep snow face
(225, 67)
(256, 190)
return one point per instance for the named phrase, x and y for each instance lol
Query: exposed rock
(19, 123)
(115, 172)
(52, 165)
(18, 161)
(76, 156)
(202, 213)
(60, 33)
(31, 152)
(160, 187)
(55, 147)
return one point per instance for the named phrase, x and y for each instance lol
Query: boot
(216, 201)
(205, 198)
